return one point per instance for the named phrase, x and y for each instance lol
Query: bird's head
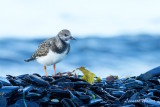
(65, 35)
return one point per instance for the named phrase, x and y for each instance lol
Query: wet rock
(49, 79)
(117, 93)
(1, 84)
(62, 79)
(95, 102)
(24, 103)
(58, 91)
(158, 81)
(111, 89)
(135, 96)
(36, 74)
(110, 78)
(101, 84)
(85, 98)
(67, 103)
(44, 100)
(33, 95)
(3, 101)
(7, 91)
(73, 79)
(134, 84)
(126, 95)
(151, 73)
(129, 80)
(109, 96)
(38, 81)
(130, 105)
(54, 102)
(4, 82)
(27, 89)
(102, 103)
(79, 84)
(76, 100)
(151, 103)
(23, 77)
(17, 82)
(69, 85)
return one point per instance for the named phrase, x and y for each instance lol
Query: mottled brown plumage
(53, 50)
(55, 44)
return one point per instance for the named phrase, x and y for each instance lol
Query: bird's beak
(72, 38)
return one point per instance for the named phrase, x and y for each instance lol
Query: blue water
(122, 56)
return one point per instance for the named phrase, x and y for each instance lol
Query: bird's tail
(30, 59)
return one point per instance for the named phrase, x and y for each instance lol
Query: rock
(109, 96)
(101, 84)
(110, 78)
(62, 79)
(151, 73)
(67, 103)
(69, 85)
(117, 93)
(36, 74)
(27, 89)
(126, 95)
(79, 84)
(33, 95)
(38, 81)
(134, 96)
(85, 98)
(158, 81)
(134, 84)
(17, 82)
(130, 105)
(95, 102)
(76, 100)
(44, 100)
(1, 84)
(24, 103)
(111, 89)
(23, 77)
(154, 80)
(60, 93)
(54, 102)
(49, 79)
(4, 81)
(3, 101)
(151, 103)
(7, 91)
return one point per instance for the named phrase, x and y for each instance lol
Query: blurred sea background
(113, 37)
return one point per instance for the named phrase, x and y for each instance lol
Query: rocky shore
(71, 91)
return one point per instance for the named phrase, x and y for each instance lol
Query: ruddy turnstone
(53, 50)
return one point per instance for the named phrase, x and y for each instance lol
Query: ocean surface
(122, 55)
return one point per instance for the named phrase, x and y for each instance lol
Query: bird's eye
(65, 35)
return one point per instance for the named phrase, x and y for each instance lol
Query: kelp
(98, 79)
(87, 75)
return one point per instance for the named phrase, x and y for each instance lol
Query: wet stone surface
(64, 91)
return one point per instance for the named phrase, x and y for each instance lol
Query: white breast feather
(51, 58)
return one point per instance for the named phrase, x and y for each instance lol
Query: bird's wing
(43, 49)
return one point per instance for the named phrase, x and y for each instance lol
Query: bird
(52, 50)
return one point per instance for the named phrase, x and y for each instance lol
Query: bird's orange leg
(45, 71)
(54, 69)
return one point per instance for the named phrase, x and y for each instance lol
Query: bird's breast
(51, 58)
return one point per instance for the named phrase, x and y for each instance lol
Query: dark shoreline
(64, 91)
